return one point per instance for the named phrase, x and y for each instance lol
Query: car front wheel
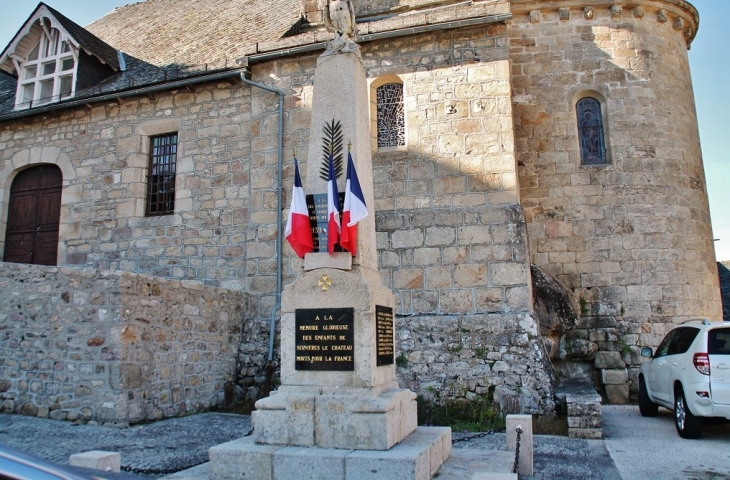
(646, 406)
(688, 426)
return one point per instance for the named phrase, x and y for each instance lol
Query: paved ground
(650, 447)
(634, 447)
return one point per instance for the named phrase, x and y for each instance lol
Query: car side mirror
(646, 352)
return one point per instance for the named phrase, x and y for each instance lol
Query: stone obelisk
(339, 396)
(352, 403)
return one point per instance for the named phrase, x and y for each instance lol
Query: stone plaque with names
(317, 207)
(325, 339)
(384, 326)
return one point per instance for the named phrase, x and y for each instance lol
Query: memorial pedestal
(356, 419)
(418, 457)
(339, 413)
(329, 314)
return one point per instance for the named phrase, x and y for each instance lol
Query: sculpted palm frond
(331, 142)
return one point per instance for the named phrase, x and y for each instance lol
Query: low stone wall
(83, 344)
(470, 356)
(583, 407)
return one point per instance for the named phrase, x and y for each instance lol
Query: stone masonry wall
(451, 232)
(450, 224)
(631, 239)
(450, 229)
(82, 344)
(103, 154)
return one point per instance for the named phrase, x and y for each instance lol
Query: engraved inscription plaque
(325, 339)
(317, 208)
(384, 325)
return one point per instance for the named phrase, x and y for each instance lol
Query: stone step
(478, 464)
(417, 457)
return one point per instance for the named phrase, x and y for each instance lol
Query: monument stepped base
(472, 463)
(333, 417)
(418, 457)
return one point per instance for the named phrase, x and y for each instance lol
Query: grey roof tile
(195, 32)
(166, 40)
(88, 41)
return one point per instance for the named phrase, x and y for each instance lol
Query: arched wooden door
(33, 216)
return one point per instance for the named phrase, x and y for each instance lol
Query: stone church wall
(103, 153)
(488, 182)
(632, 239)
(83, 344)
(450, 229)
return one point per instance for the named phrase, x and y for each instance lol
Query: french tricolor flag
(298, 231)
(354, 210)
(333, 208)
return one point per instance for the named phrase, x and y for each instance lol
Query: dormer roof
(84, 40)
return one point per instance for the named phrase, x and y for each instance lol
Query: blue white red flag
(355, 209)
(298, 231)
(333, 208)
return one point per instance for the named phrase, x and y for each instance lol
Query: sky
(709, 60)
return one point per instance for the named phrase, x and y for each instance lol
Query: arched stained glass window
(590, 132)
(391, 117)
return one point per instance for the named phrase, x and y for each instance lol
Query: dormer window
(54, 59)
(48, 74)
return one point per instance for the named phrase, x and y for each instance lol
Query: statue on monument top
(339, 17)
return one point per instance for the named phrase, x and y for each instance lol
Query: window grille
(590, 132)
(391, 117)
(161, 175)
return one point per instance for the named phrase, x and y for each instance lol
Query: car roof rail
(704, 321)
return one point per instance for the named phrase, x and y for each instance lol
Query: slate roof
(166, 40)
(195, 32)
(88, 41)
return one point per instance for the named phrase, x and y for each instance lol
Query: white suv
(690, 374)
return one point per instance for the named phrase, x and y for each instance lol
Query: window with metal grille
(391, 117)
(590, 132)
(161, 175)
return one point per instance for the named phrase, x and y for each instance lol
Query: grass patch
(477, 415)
(243, 407)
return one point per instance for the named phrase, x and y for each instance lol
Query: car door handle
(722, 366)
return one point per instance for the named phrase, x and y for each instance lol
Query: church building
(540, 201)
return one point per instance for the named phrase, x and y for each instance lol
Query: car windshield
(718, 341)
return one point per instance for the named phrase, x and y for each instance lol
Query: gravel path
(152, 450)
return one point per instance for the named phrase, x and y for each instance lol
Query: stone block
(338, 260)
(361, 422)
(419, 456)
(609, 360)
(242, 459)
(309, 463)
(526, 464)
(475, 465)
(98, 460)
(402, 462)
(284, 420)
(508, 273)
(617, 394)
(614, 376)
(587, 433)
(355, 418)
(439, 441)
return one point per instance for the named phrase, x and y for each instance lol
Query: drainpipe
(279, 236)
